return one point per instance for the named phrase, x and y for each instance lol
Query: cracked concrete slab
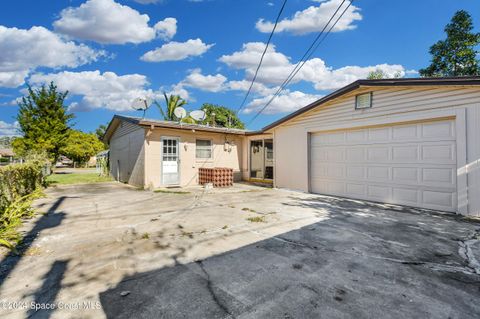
(127, 253)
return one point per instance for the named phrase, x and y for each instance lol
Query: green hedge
(18, 180)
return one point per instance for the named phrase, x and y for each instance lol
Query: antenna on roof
(141, 104)
(198, 115)
(180, 113)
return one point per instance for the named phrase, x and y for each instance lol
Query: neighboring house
(413, 142)
(6, 155)
(152, 153)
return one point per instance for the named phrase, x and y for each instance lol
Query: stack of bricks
(218, 176)
(205, 175)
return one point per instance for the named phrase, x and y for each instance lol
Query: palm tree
(172, 102)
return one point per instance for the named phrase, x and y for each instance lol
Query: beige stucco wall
(390, 105)
(127, 154)
(189, 165)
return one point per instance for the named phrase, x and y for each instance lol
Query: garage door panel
(404, 175)
(355, 154)
(439, 176)
(379, 134)
(438, 198)
(405, 132)
(411, 164)
(406, 195)
(406, 153)
(355, 173)
(335, 154)
(380, 193)
(356, 189)
(334, 170)
(378, 173)
(439, 130)
(356, 136)
(439, 153)
(378, 153)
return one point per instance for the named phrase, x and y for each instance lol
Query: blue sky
(107, 52)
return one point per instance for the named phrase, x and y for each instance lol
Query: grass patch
(166, 191)
(146, 236)
(76, 178)
(257, 219)
(246, 209)
(225, 227)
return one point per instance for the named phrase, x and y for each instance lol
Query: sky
(106, 53)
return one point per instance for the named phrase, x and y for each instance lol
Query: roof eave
(444, 81)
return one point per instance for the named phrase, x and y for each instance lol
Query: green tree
(218, 115)
(456, 55)
(100, 132)
(172, 102)
(44, 122)
(80, 146)
(6, 141)
(379, 74)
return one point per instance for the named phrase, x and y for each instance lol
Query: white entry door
(170, 161)
(409, 164)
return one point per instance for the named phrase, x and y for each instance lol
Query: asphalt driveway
(108, 250)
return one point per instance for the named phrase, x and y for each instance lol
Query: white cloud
(250, 55)
(285, 102)
(257, 87)
(147, 1)
(166, 28)
(176, 51)
(108, 22)
(99, 90)
(314, 18)
(277, 67)
(179, 90)
(326, 78)
(209, 83)
(24, 50)
(9, 129)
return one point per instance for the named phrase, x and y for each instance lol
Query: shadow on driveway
(367, 260)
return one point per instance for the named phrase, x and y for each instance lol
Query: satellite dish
(180, 112)
(198, 115)
(140, 104)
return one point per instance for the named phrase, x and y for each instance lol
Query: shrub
(18, 180)
(12, 217)
(20, 184)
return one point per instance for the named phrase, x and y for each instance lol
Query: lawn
(77, 178)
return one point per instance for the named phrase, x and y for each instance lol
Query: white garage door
(410, 164)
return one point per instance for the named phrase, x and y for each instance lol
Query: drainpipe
(274, 160)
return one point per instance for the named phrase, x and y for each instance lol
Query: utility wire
(261, 58)
(304, 59)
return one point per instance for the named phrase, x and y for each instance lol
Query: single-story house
(153, 153)
(7, 154)
(404, 141)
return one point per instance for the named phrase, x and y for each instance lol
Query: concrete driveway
(108, 250)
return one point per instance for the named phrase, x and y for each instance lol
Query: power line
(263, 55)
(304, 59)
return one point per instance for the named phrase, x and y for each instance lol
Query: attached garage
(412, 142)
(410, 164)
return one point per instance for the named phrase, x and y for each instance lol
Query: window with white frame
(203, 149)
(363, 101)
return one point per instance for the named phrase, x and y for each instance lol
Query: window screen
(203, 149)
(363, 101)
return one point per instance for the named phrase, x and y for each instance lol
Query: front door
(170, 161)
